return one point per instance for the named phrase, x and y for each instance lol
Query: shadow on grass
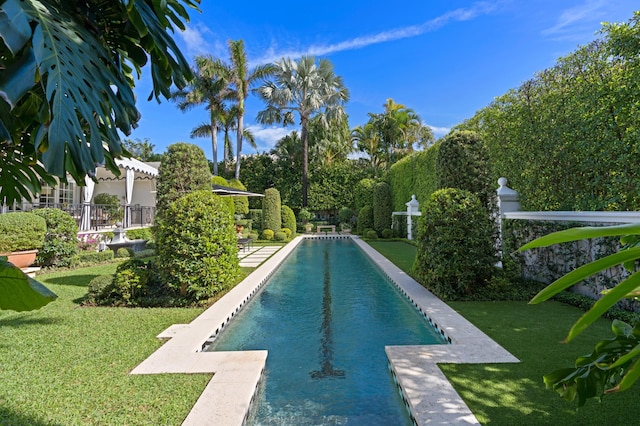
(26, 320)
(8, 417)
(73, 280)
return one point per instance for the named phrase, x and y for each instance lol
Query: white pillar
(412, 208)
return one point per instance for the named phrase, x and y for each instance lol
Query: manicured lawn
(399, 253)
(514, 394)
(68, 365)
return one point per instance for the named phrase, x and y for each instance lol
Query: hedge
(20, 231)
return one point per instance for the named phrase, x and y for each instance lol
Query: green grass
(514, 394)
(68, 365)
(399, 253)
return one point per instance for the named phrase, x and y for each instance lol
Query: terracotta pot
(22, 259)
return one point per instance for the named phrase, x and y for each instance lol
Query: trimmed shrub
(305, 215)
(124, 252)
(280, 236)
(365, 218)
(456, 253)
(144, 253)
(241, 202)
(267, 234)
(86, 258)
(287, 231)
(133, 281)
(21, 231)
(61, 238)
(288, 220)
(184, 169)
(463, 163)
(255, 216)
(387, 233)
(382, 208)
(271, 209)
(415, 174)
(139, 234)
(363, 193)
(99, 287)
(370, 234)
(197, 245)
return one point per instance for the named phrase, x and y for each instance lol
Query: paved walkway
(253, 257)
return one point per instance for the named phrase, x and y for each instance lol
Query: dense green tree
(305, 88)
(271, 210)
(183, 170)
(62, 100)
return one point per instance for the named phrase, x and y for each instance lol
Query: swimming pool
(325, 317)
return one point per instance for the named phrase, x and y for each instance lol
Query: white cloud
(266, 137)
(573, 22)
(480, 8)
(196, 39)
(439, 131)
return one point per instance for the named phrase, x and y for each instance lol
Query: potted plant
(21, 235)
(305, 216)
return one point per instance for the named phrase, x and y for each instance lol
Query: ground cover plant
(68, 365)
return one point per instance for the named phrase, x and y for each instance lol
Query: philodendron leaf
(19, 292)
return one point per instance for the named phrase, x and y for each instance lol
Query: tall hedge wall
(414, 174)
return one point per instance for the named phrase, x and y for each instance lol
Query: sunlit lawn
(67, 365)
(514, 394)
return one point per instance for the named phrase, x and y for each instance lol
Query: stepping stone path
(252, 258)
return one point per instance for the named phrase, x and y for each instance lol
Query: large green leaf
(585, 271)
(582, 233)
(19, 292)
(14, 26)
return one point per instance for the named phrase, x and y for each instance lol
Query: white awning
(136, 165)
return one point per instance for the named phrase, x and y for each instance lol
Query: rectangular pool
(325, 317)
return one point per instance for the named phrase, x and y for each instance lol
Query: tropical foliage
(62, 100)
(614, 365)
(306, 89)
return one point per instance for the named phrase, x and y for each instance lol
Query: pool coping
(229, 395)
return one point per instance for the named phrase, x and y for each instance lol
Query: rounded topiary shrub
(184, 169)
(267, 234)
(288, 220)
(456, 252)
(99, 288)
(271, 209)
(124, 252)
(287, 231)
(371, 234)
(134, 281)
(21, 231)
(197, 245)
(280, 236)
(61, 238)
(382, 207)
(305, 215)
(365, 218)
(387, 233)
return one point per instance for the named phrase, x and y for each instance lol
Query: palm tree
(212, 90)
(367, 140)
(228, 123)
(305, 88)
(240, 79)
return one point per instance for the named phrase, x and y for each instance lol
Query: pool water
(325, 317)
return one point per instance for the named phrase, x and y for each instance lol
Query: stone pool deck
(229, 395)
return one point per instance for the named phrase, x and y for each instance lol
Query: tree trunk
(214, 147)
(239, 143)
(305, 159)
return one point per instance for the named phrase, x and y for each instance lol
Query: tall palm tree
(211, 90)
(306, 88)
(228, 123)
(237, 74)
(367, 140)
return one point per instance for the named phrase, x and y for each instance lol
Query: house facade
(135, 190)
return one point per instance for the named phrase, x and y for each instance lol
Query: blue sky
(445, 59)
